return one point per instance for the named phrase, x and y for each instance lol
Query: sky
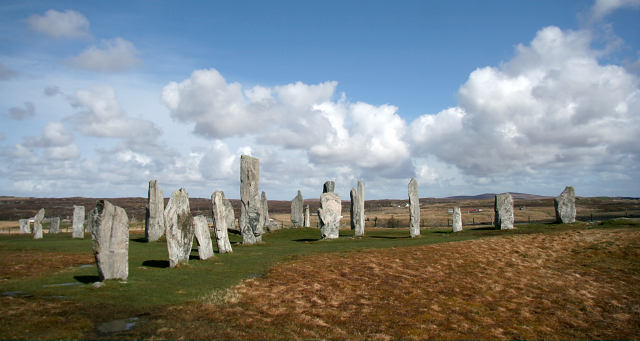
(468, 97)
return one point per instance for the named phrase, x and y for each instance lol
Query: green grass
(151, 283)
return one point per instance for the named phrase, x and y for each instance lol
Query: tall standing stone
(503, 210)
(266, 221)
(414, 209)
(78, 222)
(180, 229)
(565, 205)
(37, 224)
(154, 222)
(54, 227)
(223, 219)
(250, 211)
(297, 214)
(24, 226)
(456, 220)
(329, 186)
(109, 226)
(201, 227)
(330, 214)
(307, 221)
(357, 209)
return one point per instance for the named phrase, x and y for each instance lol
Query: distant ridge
(520, 196)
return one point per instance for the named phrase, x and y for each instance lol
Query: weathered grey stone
(37, 224)
(201, 227)
(297, 214)
(307, 221)
(109, 226)
(250, 223)
(269, 225)
(329, 186)
(503, 208)
(223, 219)
(456, 220)
(180, 230)
(54, 227)
(565, 205)
(24, 226)
(78, 222)
(357, 209)
(154, 223)
(414, 208)
(330, 214)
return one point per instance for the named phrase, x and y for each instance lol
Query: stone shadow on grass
(140, 240)
(390, 237)
(156, 263)
(306, 240)
(87, 279)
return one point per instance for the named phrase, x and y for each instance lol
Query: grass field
(279, 289)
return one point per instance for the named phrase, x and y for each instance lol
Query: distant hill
(519, 196)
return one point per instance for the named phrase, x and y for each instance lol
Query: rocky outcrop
(565, 205)
(250, 223)
(330, 214)
(180, 228)
(78, 222)
(201, 230)
(109, 226)
(154, 223)
(414, 209)
(223, 220)
(503, 210)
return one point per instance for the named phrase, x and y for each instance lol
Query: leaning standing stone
(54, 227)
(250, 211)
(37, 224)
(179, 234)
(414, 209)
(330, 213)
(503, 208)
(565, 205)
(78, 222)
(297, 214)
(24, 226)
(223, 220)
(307, 222)
(456, 221)
(328, 186)
(109, 226)
(201, 227)
(154, 222)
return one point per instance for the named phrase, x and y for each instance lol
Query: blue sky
(467, 96)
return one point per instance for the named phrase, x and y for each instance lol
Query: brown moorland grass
(28, 263)
(571, 285)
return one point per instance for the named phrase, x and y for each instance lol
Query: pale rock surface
(329, 186)
(154, 223)
(37, 224)
(503, 210)
(330, 214)
(456, 220)
(78, 222)
(224, 219)
(414, 208)
(54, 228)
(297, 214)
(201, 227)
(307, 216)
(179, 228)
(565, 205)
(24, 226)
(250, 211)
(109, 226)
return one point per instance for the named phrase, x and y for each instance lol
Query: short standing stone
(78, 222)
(456, 221)
(250, 223)
(267, 223)
(37, 224)
(201, 227)
(154, 222)
(330, 214)
(565, 205)
(54, 227)
(414, 209)
(307, 221)
(503, 210)
(180, 231)
(24, 226)
(109, 226)
(329, 186)
(297, 214)
(223, 218)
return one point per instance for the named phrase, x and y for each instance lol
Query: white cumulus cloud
(111, 55)
(67, 24)
(602, 8)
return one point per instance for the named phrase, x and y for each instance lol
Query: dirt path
(570, 285)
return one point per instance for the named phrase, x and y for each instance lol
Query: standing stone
(180, 230)
(329, 186)
(503, 208)
(250, 211)
(267, 223)
(357, 210)
(201, 227)
(154, 222)
(78, 222)
(297, 214)
(565, 205)
(414, 209)
(24, 226)
(109, 226)
(307, 221)
(223, 219)
(54, 227)
(456, 220)
(330, 214)
(37, 224)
